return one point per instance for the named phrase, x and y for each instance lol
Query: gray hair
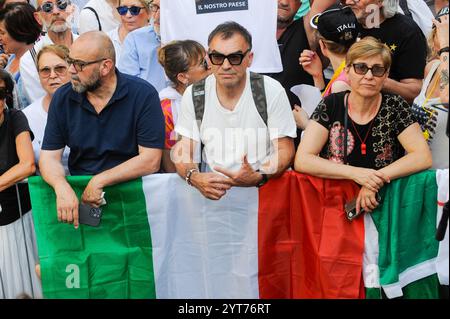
(390, 8)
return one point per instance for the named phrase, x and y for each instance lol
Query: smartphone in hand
(89, 215)
(350, 208)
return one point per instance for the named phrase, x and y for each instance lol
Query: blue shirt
(99, 142)
(140, 57)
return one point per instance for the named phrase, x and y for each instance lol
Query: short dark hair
(228, 29)
(20, 22)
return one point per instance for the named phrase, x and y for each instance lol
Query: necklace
(363, 141)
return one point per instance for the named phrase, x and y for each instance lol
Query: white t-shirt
(180, 21)
(28, 70)
(88, 20)
(229, 135)
(37, 119)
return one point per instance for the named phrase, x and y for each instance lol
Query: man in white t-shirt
(55, 16)
(240, 148)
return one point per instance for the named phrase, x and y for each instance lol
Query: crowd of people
(100, 95)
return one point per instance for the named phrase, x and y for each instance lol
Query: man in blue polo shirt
(112, 122)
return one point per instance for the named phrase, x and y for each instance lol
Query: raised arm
(442, 35)
(317, 6)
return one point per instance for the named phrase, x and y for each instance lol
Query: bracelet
(189, 174)
(443, 50)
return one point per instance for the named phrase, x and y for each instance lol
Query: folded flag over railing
(160, 238)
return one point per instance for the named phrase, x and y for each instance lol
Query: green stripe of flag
(406, 224)
(113, 260)
(426, 288)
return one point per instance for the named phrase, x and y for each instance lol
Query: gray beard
(57, 28)
(88, 87)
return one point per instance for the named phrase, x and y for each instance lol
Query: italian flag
(160, 238)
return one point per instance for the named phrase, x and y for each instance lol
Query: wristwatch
(445, 49)
(189, 174)
(264, 180)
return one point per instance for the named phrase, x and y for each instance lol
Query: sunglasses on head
(3, 93)
(134, 10)
(362, 69)
(47, 7)
(233, 58)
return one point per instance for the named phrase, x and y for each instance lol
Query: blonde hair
(58, 50)
(369, 47)
(432, 52)
(145, 3)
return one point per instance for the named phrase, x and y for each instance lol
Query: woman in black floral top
(380, 128)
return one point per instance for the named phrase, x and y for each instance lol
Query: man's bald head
(96, 44)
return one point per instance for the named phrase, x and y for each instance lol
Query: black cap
(337, 24)
(442, 12)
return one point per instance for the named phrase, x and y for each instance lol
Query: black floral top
(382, 144)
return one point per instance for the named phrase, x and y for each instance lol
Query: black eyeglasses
(134, 10)
(362, 69)
(47, 7)
(154, 8)
(60, 70)
(3, 93)
(233, 58)
(79, 65)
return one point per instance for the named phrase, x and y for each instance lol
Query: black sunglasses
(134, 10)
(362, 69)
(79, 65)
(3, 93)
(233, 58)
(47, 7)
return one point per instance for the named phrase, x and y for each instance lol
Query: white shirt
(171, 94)
(421, 14)
(180, 21)
(37, 119)
(88, 20)
(28, 70)
(114, 36)
(229, 135)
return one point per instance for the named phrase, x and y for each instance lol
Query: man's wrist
(263, 178)
(188, 178)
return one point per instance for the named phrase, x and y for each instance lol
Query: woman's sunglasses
(362, 69)
(134, 10)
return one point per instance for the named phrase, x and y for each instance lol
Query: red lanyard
(363, 142)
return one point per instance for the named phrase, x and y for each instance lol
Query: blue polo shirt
(102, 141)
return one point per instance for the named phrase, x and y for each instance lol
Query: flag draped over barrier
(160, 238)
